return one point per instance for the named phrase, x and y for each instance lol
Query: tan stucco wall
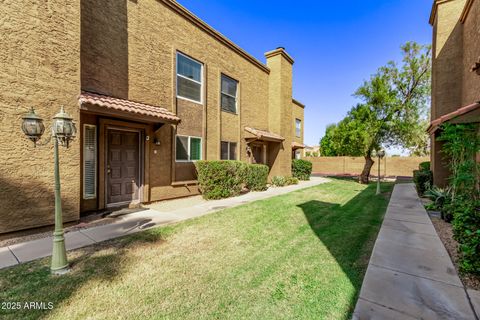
(40, 67)
(280, 113)
(395, 166)
(471, 55)
(447, 67)
(455, 50)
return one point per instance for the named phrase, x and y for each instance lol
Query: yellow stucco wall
(40, 67)
(456, 30)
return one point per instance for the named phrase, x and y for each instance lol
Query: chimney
(280, 109)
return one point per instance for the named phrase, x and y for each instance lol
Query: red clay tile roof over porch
(296, 145)
(264, 135)
(449, 116)
(127, 107)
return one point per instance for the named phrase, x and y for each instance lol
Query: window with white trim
(228, 150)
(298, 127)
(189, 78)
(89, 161)
(228, 94)
(188, 148)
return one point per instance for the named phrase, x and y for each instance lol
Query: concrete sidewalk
(410, 274)
(135, 222)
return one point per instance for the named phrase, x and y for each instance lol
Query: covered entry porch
(120, 142)
(263, 146)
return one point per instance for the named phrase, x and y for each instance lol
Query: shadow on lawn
(32, 282)
(349, 231)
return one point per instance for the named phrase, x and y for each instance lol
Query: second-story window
(229, 94)
(189, 78)
(298, 127)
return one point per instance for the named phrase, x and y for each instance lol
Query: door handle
(108, 169)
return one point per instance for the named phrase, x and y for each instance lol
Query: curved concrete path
(410, 274)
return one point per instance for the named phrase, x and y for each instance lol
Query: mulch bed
(445, 232)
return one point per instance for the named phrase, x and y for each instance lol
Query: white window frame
(94, 195)
(299, 129)
(188, 150)
(229, 144)
(235, 97)
(179, 75)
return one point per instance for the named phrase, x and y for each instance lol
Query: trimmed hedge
(224, 179)
(422, 179)
(301, 169)
(256, 177)
(220, 179)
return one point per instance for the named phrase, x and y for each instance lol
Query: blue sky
(336, 44)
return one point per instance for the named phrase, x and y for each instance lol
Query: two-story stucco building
(455, 72)
(152, 89)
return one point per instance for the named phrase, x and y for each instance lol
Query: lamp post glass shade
(33, 126)
(63, 128)
(381, 153)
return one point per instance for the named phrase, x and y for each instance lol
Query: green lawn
(298, 256)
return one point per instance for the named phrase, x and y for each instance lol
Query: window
(188, 148)
(298, 127)
(89, 161)
(229, 94)
(189, 78)
(228, 150)
(298, 154)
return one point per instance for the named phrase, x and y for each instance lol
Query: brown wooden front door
(123, 166)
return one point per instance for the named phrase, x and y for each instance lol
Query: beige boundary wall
(396, 166)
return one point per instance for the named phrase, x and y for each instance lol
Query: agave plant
(439, 195)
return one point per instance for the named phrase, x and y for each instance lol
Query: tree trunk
(365, 176)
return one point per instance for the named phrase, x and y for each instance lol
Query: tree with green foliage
(393, 111)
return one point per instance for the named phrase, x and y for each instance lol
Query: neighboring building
(455, 72)
(151, 87)
(311, 151)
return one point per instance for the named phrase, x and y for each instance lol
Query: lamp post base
(58, 272)
(59, 254)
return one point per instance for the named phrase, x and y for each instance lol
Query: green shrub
(301, 169)
(256, 177)
(423, 179)
(425, 166)
(220, 179)
(461, 145)
(279, 181)
(291, 180)
(466, 228)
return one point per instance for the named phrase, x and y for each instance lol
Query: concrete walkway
(410, 274)
(135, 222)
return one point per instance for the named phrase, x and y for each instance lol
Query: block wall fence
(396, 166)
